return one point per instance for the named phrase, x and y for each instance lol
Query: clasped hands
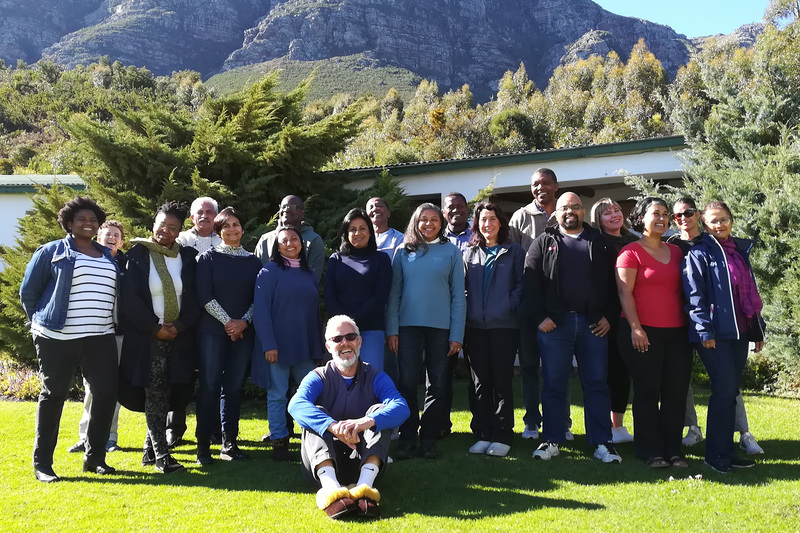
(235, 329)
(347, 430)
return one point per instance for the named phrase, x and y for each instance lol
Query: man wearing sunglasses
(347, 410)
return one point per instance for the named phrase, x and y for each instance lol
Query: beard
(571, 222)
(342, 363)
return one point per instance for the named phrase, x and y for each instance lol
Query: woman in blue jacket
(69, 293)
(725, 313)
(494, 275)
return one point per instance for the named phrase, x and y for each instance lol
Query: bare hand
(391, 342)
(455, 347)
(340, 432)
(166, 333)
(601, 328)
(710, 344)
(547, 325)
(352, 428)
(639, 339)
(271, 356)
(235, 327)
(759, 346)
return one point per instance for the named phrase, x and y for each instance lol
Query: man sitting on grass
(347, 410)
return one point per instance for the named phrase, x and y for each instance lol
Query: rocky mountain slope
(451, 41)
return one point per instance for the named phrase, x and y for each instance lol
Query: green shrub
(762, 373)
(19, 382)
(6, 167)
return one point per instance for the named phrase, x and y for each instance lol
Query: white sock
(327, 477)
(368, 474)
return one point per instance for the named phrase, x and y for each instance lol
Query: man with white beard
(347, 410)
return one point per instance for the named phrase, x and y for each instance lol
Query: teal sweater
(428, 290)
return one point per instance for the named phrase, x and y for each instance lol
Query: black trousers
(490, 356)
(619, 379)
(96, 356)
(660, 382)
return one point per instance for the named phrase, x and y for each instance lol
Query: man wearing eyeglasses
(292, 213)
(347, 410)
(569, 287)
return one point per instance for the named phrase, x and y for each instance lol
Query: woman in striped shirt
(68, 293)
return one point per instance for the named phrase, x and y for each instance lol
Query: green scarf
(157, 253)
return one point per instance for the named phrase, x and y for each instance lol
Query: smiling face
(166, 229)
(289, 243)
(489, 226)
(344, 352)
(544, 189)
(231, 231)
(569, 213)
(656, 220)
(718, 222)
(84, 225)
(358, 233)
(429, 224)
(291, 211)
(378, 213)
(611, 220)
(203, 218)
(687, 224)
(455, 212)
(110, 237)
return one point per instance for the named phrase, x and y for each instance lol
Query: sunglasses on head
(350, 337)
(689, 213)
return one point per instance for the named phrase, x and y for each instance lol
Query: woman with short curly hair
(159, 312)
(68, 293)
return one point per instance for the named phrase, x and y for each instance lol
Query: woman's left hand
(759, 346)
(455, 347)
(235, 328)
(710, 344)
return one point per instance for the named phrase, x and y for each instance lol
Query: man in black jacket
(569, 285)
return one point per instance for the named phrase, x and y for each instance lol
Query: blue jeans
(276, 394)
(725, 365)
(372, 345)
(223, 365)
(434, 343)
(574, 336)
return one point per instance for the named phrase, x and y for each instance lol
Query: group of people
(545, 285)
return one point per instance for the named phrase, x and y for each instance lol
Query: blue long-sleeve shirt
(228, 279)
(428, 290)
(358, 286)
(303, 406)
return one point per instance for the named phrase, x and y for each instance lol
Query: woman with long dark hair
(495, 268)
(357, 284)
(425, 315)
(288, 329)
(160, 312)
(652, 336)
(725, 316)
(68, 293)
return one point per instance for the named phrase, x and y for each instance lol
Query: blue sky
(693, 18)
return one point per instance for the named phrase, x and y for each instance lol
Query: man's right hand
(271, 356)
(547, 325)
(392, 342)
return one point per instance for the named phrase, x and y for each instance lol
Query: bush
(19, 382)
(6, 167)
(762, 373)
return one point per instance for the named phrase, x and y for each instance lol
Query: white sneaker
(693, 436)
(546, 451)
(498, 449)
(621, 434)
(607, 453)
(530, 433)
(748, 443)
(480, 447)
(569, 436)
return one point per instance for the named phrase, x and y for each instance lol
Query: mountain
(450, 41)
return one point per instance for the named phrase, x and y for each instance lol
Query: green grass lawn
(457, 492)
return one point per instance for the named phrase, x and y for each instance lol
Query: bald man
(569, 285)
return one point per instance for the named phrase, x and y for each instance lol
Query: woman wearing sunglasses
(687, 218)
(725, 316)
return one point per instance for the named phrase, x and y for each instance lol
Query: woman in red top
(653, 336)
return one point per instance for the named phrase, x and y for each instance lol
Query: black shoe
(280, 450)
(78, 447)
(45, 474)
(204, 451)
(173, 439)
(148, 457)
(216, 439)
(168, 465)
(99, 468)
(444, 432)
(230, 450)
(406, 450)
(741, 462)
(429, 449)
(719, 468)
